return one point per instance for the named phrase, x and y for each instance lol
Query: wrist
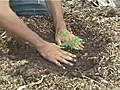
(40, 44)
(40, 48)
(60, 24)
(36, 41)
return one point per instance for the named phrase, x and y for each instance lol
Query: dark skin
(11, 22)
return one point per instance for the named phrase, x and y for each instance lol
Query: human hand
(67, 39)
(53, 53)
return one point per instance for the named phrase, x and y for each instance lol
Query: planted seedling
(75, 43)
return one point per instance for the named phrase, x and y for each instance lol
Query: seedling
(63, 34)
(76, 41)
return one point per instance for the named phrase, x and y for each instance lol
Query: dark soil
(97, 66)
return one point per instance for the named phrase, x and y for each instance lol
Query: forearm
(11, 22)
(56, 11)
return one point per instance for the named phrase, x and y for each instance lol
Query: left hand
(63, 35)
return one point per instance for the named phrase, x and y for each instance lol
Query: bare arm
(59, 23)
(56, 11)
(11, 22)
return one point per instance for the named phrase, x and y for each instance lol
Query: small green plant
(72, 43)
(63, 34)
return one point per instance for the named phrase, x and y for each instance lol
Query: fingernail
(75, 60)
(74, 56)
(63, 67)
(71, 64)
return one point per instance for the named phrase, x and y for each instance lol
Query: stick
(31, 84)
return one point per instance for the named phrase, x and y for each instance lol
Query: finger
(77, 47)
(67, 57)
(58, 41)
(67, 53)
(81, 46)
(65, 61)
(57, 63)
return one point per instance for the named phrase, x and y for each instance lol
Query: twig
(31, 84)
(84, 76)
(2, 34)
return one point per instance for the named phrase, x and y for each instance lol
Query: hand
(63, 35)
(53, 53)
(66, 38)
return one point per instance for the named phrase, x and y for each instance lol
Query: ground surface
(97, 66)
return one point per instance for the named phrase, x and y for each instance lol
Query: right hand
(53, 53)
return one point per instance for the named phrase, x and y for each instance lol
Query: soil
(97, 66)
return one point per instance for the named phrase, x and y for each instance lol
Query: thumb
(58, 41)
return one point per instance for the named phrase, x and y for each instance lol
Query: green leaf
(70, 44)
(63, 33)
